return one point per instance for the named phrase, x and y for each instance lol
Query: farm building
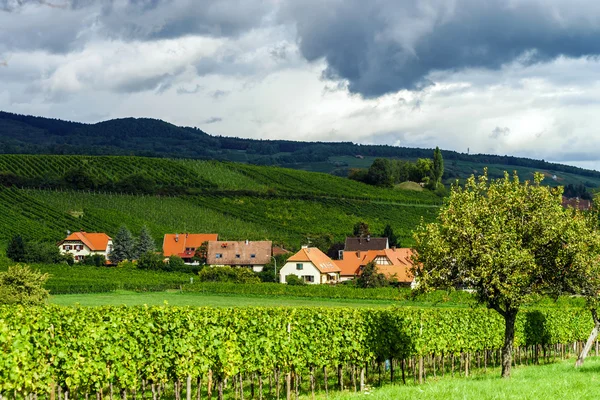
(312, 266)
(248, 254)
(83, 244)
(185, 245)
(394, 263)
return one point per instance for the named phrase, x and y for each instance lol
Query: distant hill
(21, 134)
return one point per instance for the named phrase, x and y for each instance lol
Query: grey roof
(366, 243)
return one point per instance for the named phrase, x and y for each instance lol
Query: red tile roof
(176, 243)
(317, 258)
(94, 241)
(399, 259)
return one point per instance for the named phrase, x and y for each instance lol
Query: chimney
(246, 241)
(305, 246)
(186, 235)
(177, 237)
(368, 238)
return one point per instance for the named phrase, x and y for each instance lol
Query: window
(78, 247)
(67, 247)
(308, 278)
(218, 255)
(299, 266)
(252, 255)
(237, 256)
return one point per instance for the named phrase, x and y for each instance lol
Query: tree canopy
(123, 246)
(22, 285)
(508, 241)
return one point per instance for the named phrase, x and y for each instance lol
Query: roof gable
(176, 243)
(319, 259)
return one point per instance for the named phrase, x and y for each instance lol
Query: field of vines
(172, 352)
(283, 220)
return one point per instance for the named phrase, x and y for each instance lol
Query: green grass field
(553, 381)
(204, 300)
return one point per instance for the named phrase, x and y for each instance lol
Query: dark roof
(365, 243)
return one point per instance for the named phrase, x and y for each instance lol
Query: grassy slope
(554, 381)
(234, 200)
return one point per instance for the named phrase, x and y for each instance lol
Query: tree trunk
(188, 388)
(590, 341)
(510, 316)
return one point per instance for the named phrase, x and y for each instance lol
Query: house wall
(308, 269)
(83, 252)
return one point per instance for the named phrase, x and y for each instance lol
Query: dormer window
(252, 255)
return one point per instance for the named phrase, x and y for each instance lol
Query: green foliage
(294, 280)
(361, 229)
(380, 173)
(227, 274)
(371, 278)
(201, 253)
(16, 249)
(438, 166)
(22, 285)
(45, 345)
(176, 263)
(47, 253)
(94, 260)
(151, 261)
(145, 243)
(388, 232)
(123, 246)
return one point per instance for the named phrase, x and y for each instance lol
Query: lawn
(176, 298)
(554, 381)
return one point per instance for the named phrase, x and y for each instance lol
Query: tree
(380, 173)
(145, 243)
(176, 263)
(509, 242)
(361, 229)
(201, 253)
(123, 246)
(438, 166)
(388, 232)
(22, 285)
(94, 260)
(371, 278)
(151, 260)
(16, 249)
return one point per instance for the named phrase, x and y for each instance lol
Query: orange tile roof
(94, 241)
(399, 268)
(317, 257)
(176, 243)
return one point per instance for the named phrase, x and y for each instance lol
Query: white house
(312, 266)
(82, 244)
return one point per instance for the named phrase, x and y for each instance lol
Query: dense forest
(21, 134)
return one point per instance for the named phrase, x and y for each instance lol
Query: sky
(516, 77)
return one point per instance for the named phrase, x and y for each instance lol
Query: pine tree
(388, 232)
(438, 166)
(16, 249)
(145, 243)
(123, 246)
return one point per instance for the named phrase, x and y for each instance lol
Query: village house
(83, 244)
(365, 243)
(312, 266)
(185, 245)
(247, 254)
(394, 263)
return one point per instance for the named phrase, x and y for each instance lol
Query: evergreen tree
(361, 229)
(16, 249)
(388, 232)
(123, 246)
(145, 243)
(438, 166)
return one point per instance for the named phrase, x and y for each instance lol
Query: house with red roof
(394, 263)
(312, 266)
(83, 244)
(185, 245)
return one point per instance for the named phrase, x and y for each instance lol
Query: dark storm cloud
(62, 25)
(383, 46)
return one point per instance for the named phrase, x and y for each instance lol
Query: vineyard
(171, 352)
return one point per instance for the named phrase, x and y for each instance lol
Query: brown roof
(576, 202)
(176, 243)
(365, 243)
(239, 253)
(399, 259)
(317, 258)
(279, 251)
(94, 241)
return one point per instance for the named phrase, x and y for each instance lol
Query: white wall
(85, 251)
(308, 269)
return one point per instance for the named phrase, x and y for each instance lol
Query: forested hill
(150, 137)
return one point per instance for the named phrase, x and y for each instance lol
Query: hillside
(21, 134)
(44, 196)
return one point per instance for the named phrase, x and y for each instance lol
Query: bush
(151, 260)
(294, 280)
(176, 263)
(16, 249)
(43, 253)
(21, 285)
(94, 260)
(228, 274)
(127, 264)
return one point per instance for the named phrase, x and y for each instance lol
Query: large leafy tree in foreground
(508, 241)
